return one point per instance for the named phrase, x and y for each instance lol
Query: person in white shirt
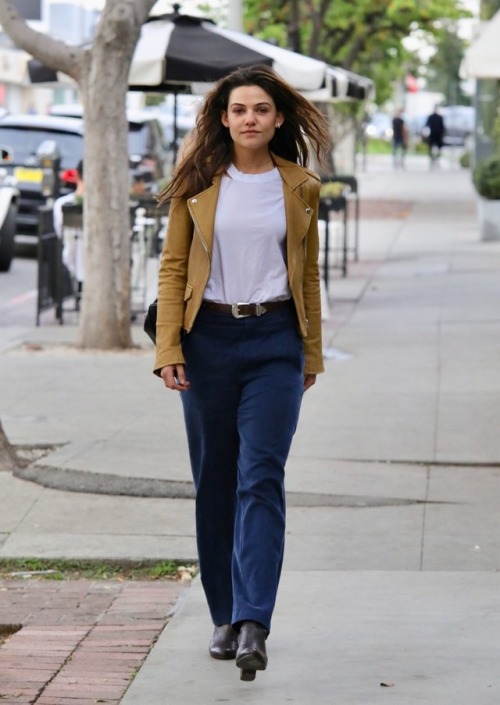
(239, 334)
(72, 238)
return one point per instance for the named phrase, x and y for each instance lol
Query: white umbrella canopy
(181, 53)
(482, 58)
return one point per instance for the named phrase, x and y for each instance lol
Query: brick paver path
(384, 208)
(80, 641)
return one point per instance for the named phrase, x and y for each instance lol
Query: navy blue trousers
(241, 412)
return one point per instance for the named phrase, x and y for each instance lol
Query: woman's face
(251, 117)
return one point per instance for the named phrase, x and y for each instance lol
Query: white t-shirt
(249, 252)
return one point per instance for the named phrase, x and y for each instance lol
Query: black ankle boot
(223, 643)
(251, 655)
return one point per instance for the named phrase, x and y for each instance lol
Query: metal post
(326, 265)
(176, 132)
(235, 15)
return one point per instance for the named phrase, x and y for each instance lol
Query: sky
(191, 7)
(466, 27)
(188, 6)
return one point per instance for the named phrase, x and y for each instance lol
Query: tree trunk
(317, 20)
(8, 458)
(105, 315)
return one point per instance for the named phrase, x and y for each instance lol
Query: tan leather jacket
(186, 261)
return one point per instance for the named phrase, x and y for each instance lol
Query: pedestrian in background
(435, 132)
(242, 228)
(72, 238)
(399, 140)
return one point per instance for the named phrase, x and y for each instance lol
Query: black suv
(26, 139)
(21, 137)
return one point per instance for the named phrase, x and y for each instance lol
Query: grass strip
(74, 569)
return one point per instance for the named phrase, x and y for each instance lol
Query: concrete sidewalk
(393, 549)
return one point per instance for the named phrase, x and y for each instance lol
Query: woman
(242, 228)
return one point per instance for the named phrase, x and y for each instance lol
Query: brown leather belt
(243, 310)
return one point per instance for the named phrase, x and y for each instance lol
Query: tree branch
(53, 53)
(121, 21)
(317, 18)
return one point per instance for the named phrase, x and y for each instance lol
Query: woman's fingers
(309, 380)
(174, 377)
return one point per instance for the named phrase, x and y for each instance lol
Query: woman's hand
(309, 380)
(174, 377)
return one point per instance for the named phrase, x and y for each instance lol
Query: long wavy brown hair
(211, 148)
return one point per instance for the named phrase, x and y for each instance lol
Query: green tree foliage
(365, 36)
(442, 72)
(486, 177)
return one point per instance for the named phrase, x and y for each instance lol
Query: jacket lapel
(202, 208)
(298, 211)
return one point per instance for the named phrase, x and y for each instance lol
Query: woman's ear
(223, 118)
(279, 119)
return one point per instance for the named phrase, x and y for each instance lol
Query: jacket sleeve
(311, 287)
(172, 279)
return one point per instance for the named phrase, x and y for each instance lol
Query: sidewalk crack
(424, 516)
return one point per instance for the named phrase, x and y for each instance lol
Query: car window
(24, 143)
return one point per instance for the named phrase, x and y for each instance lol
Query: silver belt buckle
(259, 310)
(235, 310)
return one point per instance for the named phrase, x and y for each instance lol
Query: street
(18, 293)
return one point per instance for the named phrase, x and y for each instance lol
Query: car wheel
(7, 237)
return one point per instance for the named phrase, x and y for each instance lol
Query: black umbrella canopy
(39, 73)
(175, 51)
(195, 53)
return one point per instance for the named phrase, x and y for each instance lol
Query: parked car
(379, 126)
(9, 197)
(459, 122)
(182, 114)
(147, 143)
(45, 149)
(28, 139)
(147, 146)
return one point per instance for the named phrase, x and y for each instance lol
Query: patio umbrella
(178, 52)
(40, 74)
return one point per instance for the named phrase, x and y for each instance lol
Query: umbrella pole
(175, 130)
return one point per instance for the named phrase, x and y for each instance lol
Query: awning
(482, 58)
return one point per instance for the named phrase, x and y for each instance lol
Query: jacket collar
(292, 174)
(298, 214)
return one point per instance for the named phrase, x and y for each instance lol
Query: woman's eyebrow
(256, 105)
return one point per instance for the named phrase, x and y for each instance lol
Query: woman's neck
(253, 163)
